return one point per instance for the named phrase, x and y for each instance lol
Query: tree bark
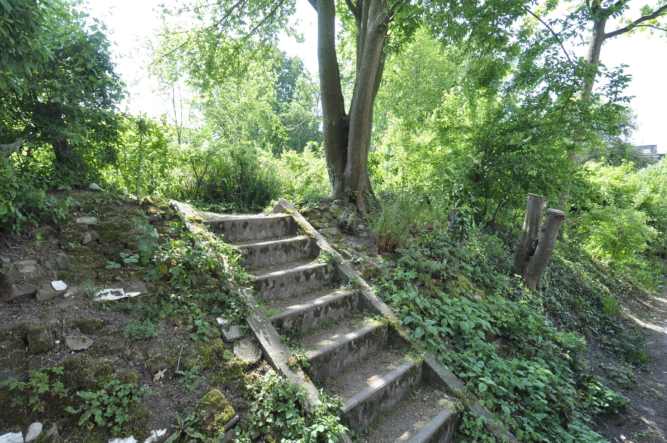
(594, 49)
(530, 233)
(347, 139)
(545, 248)
(335, 124)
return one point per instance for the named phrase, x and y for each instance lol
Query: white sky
(132, 21)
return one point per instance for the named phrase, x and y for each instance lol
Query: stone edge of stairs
(277, 353)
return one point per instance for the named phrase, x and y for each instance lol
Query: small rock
(74, 291)
(361, 227)
(94, 235)
(134, 289)
(78, 342)
(229, 332)
(50, 436)
(87, 220)
(27, 266)
(47, 292)
(49, 264)
(87, 238)
(247, 350)
(12, 437)
(17, 291)
(63, 261)
(33, 432)
(59, 285)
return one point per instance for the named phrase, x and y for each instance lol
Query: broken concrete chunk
(47, 291)
(40, 340)
(110, 294)
(247, 350)
(12, 437)
(63, 261)
(229, 332)
(87, 220)
(78, 342)
(33, 432)
(17, 291)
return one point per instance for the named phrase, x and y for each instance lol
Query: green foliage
(456, 300)
(188, 428)
(472, 429)
(191, 378)
(38, 388)
(66, 109)
(615, 234)
(23, 199)
(141, 330)
(110, 407)
(278, 409)
(601, 399)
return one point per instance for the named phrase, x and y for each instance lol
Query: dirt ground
(645, 418)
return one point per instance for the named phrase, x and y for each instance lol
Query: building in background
(651, 151)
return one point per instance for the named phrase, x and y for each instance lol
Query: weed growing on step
(191, 378)
(37, 388)
(279, 412)
(111, 406)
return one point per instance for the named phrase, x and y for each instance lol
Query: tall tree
(223, 28)
(599, 12)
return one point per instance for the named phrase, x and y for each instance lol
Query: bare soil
(645, 418)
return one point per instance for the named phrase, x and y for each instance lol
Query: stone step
(275, 252)
(293, 281)
(251, 227)
(340, 347)
(313, 313)
(360, 411)
(424, 415)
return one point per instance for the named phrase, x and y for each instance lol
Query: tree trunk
(530, 233)
(545, 248)
(347, 139)
(594, 49)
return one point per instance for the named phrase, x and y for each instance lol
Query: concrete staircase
(304, 294)
(389, 392)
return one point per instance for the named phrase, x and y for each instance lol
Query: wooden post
(545, 248)
(530, 233)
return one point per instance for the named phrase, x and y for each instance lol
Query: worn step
(343, 345)
(360, 411)
(358, 376)
(251, 227)
(312, 313)
(292, 281)
(424, 415)
(275, 252)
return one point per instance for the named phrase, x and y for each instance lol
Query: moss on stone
(88, 325)
(218, 411)
(40, 339)
(127, 377)
(212, 354)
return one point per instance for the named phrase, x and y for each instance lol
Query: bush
(237, 179)
(615, 234)
(23, 199)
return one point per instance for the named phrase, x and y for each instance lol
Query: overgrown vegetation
(280, 411)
